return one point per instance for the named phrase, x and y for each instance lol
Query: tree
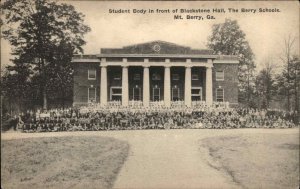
(61, 82)
(288, 83)
(15, 85)
(265, 84)
(44, 35)
(286, 58)
(228, 39)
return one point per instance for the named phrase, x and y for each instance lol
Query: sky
(265, 32)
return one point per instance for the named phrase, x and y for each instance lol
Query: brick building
(155, 72)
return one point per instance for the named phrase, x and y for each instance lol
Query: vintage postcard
(150, 94)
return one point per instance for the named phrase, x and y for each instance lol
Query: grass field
(61, 162)
(257, 161)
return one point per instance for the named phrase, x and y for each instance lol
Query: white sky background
(264, 31)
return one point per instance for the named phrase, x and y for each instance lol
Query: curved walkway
(165, 158)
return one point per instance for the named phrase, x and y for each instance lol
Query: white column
(146, 83)
(209, 86)
(103, 86)
(188, 87)
(167, 87)
(125, 86)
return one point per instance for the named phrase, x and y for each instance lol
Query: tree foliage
(265, 85)
(227, 38)
(288, 84)
(15, 84)
(287, 59)
(44, 35)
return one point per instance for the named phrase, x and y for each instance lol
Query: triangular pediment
(155, 47)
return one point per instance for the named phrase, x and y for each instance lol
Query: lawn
(258, 160)
(61, 162)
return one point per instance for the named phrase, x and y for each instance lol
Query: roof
(85, 58)
(156, 47)
(227, 57)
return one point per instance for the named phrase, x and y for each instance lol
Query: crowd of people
(122, 118)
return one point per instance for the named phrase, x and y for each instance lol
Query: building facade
(155, 72)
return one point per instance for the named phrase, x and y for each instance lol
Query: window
(220, 95)
(220, 75)
(156, 76)
(137, 77)
(91, 74)
(115, 93)
(175, 93)
(117, 76)
(92, 94)
(175, 77)
(195, 77)
(196, 93)
(156, 93)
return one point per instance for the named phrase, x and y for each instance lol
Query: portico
(167, 88)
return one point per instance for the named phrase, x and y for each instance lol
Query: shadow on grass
(62, 162)
(257, 160)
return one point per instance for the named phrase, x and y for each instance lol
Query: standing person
(19, 124)
(14, 122)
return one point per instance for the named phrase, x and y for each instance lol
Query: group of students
(122, 118)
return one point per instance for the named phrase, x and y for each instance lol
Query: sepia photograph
(150, 94)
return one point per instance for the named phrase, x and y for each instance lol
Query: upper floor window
(156, 76)
(175, 77)
(117, 76)
(220, 75)
(137, 77)
(195, 77)
(92, 74)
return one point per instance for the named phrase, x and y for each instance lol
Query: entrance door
(137, 93)
(196, 93)
(92, 95)
(156, 93)
(175, 93)
(115, 93)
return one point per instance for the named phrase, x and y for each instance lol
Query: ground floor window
(137, 93)
(156, 93)
(175, 93)
(196, 93)
(92, 94)
(115, 93)
(220, 95)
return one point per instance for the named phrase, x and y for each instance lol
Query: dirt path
(168, 159)
(165, 158)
